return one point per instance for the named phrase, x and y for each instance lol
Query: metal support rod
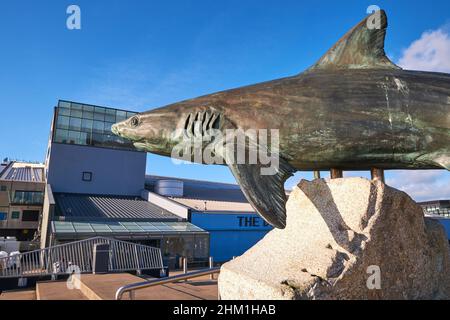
(316, 175)
(211, 265)
(377, 174)
(336, 173)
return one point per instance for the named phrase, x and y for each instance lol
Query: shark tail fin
(361, 48)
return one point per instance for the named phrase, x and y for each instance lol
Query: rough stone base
(339, 234)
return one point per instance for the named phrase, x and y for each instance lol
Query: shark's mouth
(140, 145)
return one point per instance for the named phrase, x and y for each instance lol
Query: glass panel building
(89, 125)
(96, 186)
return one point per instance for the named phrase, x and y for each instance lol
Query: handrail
(78, 255)
(152, 283)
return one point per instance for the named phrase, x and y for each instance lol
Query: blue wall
(446, 223)
(231, 234)
(114, 172)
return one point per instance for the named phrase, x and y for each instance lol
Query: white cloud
(422, 185)
(429, 53)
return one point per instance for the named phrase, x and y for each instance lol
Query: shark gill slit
(203, 121)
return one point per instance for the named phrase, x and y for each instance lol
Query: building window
(28, 197)
(87, 176)
(3, 188)
(30, 215)
(89, 125)
(15, 215)
(3, 216)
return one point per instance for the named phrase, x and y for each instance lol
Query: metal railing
(131, 288)
(78, 256)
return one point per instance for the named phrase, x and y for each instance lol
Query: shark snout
(115, 129)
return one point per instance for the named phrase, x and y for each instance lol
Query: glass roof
(89, 125)
(64, 227)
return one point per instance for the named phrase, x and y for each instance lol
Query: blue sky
(139, 55)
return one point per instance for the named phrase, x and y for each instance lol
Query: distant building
(439, 207)
(22, 188)
(438, 210)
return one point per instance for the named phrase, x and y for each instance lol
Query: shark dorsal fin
(361, 48)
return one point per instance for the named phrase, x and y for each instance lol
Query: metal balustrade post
(138, 270)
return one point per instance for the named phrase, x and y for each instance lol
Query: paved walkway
(57, 290)
(18, 295)
(104, 287)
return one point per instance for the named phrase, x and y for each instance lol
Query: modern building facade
(219, 208)
(94, 186)
(22, 188)
(84, 156)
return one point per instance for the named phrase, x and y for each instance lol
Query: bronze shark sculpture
(353, 110)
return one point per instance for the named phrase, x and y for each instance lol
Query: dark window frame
(15, 215)
(30, 215)
(87, 176)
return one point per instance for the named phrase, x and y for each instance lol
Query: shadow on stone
(337, 232)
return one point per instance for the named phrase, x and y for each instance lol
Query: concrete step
(104, 287)
(57, 290)
(18, 295)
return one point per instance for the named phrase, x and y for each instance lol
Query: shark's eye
(134, 122)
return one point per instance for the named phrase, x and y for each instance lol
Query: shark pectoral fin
(265, 193)
(361, 48)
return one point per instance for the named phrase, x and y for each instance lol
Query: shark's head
(159, 131)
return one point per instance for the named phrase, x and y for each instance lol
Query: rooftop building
(22, 172)
(439, 208)
(22, 188)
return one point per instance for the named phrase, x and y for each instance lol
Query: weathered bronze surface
(353, 110)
